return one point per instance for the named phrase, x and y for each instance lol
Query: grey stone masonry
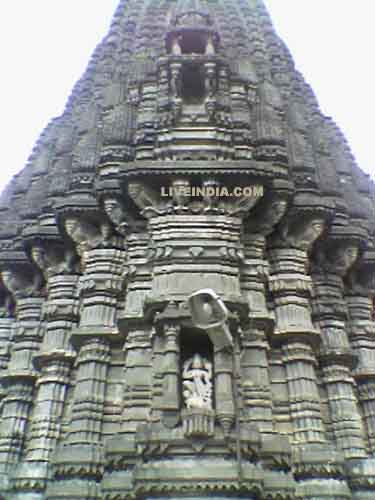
(187, 277)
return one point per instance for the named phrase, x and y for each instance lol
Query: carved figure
(210, 82)
(176, 82)
(83, 233)
(197, 382)
(210, 47)
(181, 193)
(270, 123)
(344, 258)
(52, 261)
(303, 235)
(21, 286)
(176, 48)
(115, 211)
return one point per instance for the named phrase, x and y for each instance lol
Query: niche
(193, 43)
(193, 84)
(196, 369)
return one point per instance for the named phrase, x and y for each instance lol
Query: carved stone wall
(190, 156)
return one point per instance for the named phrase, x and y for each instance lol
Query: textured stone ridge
(108, 388)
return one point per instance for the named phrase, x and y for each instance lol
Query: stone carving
(270, 126)
(181, 196)
(197, 382)
(176, 81)
(115, 211)
(339, 260)
(302, 235)
(271, 216)
(176, 48)
(145, 198)
(86, 235)
(54, 260)
(20, 285)
(109, 387)
(210, 81)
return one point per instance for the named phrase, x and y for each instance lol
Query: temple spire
(192, 162)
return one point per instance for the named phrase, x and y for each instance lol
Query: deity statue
(197, 382)
(176, 47)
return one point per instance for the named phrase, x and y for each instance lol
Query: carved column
(54, 361)
(25, 285)
(138, 379)
(56, 355)
(241, 109)
(210, 84)
(137, 397)
(146, 134)
(138, 271)
(103, 260)
(225, 406)
(294, 331)
(270, 117)
(359, 298)
(336, 357)
(256, 385)
(87, 411)
(315, 460)
(171, 369)
(100, 287)
(167, 367)
(139, 279)
(7, 322)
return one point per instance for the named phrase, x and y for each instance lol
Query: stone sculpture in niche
(259, 386)
(197, 382)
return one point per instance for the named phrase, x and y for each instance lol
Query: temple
(187, 277)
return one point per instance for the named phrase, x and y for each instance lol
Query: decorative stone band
(198, 422)
(285, 283)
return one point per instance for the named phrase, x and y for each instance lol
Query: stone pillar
(20, 376)
(256, 388)
(54, 361)
(138, 379)
(146, 133)
(270, 136)
(225, 405)
(171, 368)
(138, 271)
(137, 396)
(254, 270)
(294, 332)
(359, 298)
(299, 341)
(87, 412)
(139, 276)
(167, 367)
(7, 322)
(336, 357)
(99, 288)
(242, 113)
(291, 289)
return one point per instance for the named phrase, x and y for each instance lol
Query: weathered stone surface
(190, 156)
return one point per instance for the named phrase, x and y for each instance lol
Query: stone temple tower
(191, 156)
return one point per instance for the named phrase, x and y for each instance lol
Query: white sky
(45, 46)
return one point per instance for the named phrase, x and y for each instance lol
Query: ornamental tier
(187, 277)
